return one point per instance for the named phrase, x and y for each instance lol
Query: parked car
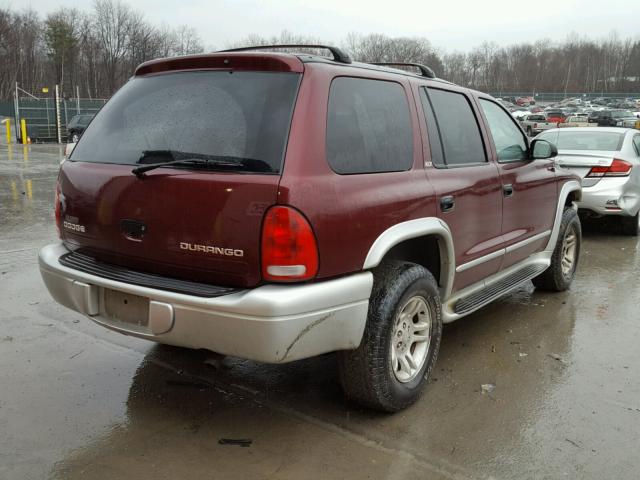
(630, 120)
(574, 121)
(33, 133)
(534, 124)
(301, 214)
(77, 126)
(593, 117)
(614, 118)
(555, 116)
(608, 160)
(520, 113)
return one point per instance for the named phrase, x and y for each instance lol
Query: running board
(476, 296)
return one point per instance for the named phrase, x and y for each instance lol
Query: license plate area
(125, 307)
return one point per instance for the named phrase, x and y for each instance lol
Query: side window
(437, 154)
(636, 143)
(457, 126)
(508, 138)
(368, 127)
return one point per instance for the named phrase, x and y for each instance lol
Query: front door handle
(507, 190)
(447, 203)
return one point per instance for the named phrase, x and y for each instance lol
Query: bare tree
(114, 22)
(98, 50)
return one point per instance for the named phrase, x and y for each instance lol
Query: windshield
(242, 115)
(599, 141)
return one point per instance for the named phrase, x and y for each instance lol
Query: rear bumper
(272, 323)
(612, 196)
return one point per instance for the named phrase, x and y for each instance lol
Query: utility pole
(566, 83)
(58, 126)
(16, 111)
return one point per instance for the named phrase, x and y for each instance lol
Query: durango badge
(228, 252)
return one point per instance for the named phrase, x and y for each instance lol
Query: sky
(449, 25)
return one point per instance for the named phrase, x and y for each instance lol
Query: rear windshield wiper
(183, 158)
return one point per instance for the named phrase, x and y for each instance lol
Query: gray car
(608, 161)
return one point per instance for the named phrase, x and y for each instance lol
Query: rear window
(240, 117)
(536, 118)
(368, 127)
(602, 141)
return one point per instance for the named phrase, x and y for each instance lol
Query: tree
(61, 38)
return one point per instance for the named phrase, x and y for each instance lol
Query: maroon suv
(277, 206)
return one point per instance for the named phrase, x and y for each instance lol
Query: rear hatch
(580, 150)
(200, 219)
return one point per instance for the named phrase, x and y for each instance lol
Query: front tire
(631, 225)
(564, 261)
(401, 339)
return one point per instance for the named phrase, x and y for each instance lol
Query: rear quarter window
(368, 127)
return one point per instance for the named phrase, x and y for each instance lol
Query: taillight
(57, 210)
(289, 250)
(618, 168)
(535, 125)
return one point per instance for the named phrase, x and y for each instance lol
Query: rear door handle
(507, 190)
(447, 203)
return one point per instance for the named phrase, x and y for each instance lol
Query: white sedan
(608, 161)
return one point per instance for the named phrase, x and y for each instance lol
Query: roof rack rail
(338, 54)
(424, 70)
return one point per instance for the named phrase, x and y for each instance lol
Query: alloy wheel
(410, 339)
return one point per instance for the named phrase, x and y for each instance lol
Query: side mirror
(68, 149)
(541, 149)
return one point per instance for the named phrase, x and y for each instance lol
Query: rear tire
(401, 339)
(631, 225)
(564, 261)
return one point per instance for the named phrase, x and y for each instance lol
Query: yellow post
(8, 125)
(23, 131)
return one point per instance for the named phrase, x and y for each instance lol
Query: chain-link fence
(47, 116)
(559, 96)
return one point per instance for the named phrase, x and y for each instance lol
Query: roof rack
(424, 70)
(338, 54)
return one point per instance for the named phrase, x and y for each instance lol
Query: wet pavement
(78, 401)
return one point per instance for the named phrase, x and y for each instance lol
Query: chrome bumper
(272, 323)
(612, 196)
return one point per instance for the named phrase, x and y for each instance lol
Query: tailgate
(200, 226)
(212, 143)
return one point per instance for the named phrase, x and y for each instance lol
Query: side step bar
(476, 296)
(494, 290)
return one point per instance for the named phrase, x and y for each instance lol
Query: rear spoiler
(259, 61)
